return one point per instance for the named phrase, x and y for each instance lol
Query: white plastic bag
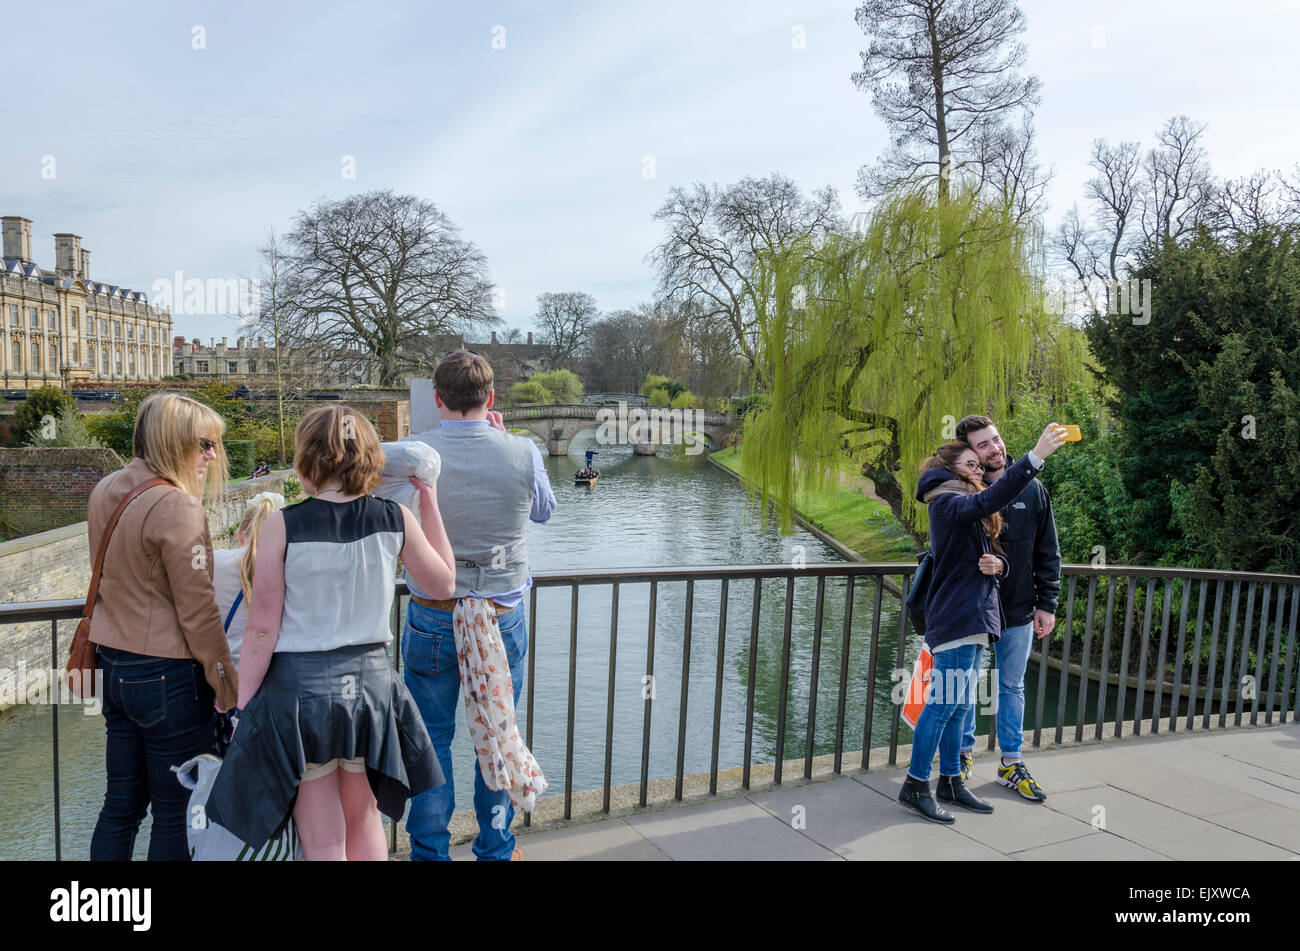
(404, 459)
(210, 842)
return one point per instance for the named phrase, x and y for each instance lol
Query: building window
(103, 361)
(252, 367)
(117, 329)
(36, 318)
(13, 315)
(202, 366)
(54, 358)
(155, 364)
(130, 363)
(36, 358)
(117, 363)
(90, 325)
(90, 355)
(153, 334)
(18, 358)
(103, 327)
(76, 353)
(234, 366)
(130, 331)
(51, 320)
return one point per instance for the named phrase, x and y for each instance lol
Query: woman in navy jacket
(963, 613)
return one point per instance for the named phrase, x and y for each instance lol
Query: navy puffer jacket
(963, 600)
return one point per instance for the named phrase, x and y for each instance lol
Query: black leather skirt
(314, 707)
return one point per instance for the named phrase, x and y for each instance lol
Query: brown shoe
(517, 855)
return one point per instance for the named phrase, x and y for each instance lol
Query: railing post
(812, 685)
(717, 689)
(785, 678)
(844, 674)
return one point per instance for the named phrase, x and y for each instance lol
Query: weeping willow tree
(874, 344)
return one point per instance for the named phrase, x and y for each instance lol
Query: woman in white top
(328, 732)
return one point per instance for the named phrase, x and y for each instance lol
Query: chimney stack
(178, 343)
(223, 343)
(494, 338)
(67, 255)
(18, 238)
(85, 265)
(530, 338)
(259, 343)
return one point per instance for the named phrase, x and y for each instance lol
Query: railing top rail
(19, 612)
(1192, 574)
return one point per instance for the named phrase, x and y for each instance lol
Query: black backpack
(919, 594)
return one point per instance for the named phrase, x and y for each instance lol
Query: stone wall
(55, 565)
(43, 489)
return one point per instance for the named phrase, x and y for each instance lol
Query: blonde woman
(327, 731)
(160, 645)
(233, 572)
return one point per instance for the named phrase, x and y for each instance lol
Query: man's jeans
(433, 677)
(159, 713)
(1011, 654)
(952, 695)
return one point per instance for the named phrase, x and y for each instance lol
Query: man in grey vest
(491, 485)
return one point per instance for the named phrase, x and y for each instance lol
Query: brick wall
(41, 489)
(392, 417)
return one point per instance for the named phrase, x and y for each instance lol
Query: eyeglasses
(207, 445)
(972, 465)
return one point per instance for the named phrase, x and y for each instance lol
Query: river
(645, 511)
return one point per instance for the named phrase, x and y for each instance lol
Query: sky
(171, 136)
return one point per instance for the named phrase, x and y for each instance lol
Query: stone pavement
(1222, 794)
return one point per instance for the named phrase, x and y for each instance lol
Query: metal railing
(1199, 671)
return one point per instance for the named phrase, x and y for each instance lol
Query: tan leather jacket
(155, 592)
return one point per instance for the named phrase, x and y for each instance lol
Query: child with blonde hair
(232, 568)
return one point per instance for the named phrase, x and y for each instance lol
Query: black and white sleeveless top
(340, 565)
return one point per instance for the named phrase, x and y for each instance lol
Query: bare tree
(564, 320)
(942, 74)
(1259, 200)
(714, 236)
(1179, 184)
(390, 273)
(1008, 167)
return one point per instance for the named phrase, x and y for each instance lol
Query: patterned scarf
(489, 695)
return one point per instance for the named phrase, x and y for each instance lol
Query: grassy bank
(851, 518)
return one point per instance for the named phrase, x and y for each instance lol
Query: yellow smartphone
(1072, 433)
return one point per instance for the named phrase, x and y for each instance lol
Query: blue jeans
(433, 677)
(159, 713)
(1010, 654)
(940, 725)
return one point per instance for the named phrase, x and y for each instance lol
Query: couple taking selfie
(995, 583)
(327, 732)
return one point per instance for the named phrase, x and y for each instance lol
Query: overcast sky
(552, 153)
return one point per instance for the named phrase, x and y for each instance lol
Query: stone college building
(59, 327)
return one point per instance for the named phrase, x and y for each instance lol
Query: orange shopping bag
(919, 688)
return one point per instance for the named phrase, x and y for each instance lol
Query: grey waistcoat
(485, 495)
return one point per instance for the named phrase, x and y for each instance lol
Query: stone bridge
(645, 428)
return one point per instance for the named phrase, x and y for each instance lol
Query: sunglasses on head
(460, 350)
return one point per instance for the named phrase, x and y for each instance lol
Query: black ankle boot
(915, 795)
(953, 789)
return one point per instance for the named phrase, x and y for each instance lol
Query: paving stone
(1270, 822)
(1094, 847)
(1134, 770)
(735, 829)
(1161, 828)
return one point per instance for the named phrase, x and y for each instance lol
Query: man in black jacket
(1029, 594)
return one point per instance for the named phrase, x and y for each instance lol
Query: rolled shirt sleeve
(543, 496)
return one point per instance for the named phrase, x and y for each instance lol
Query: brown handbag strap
(89, 606)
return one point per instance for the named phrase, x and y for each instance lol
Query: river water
(645, 511)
